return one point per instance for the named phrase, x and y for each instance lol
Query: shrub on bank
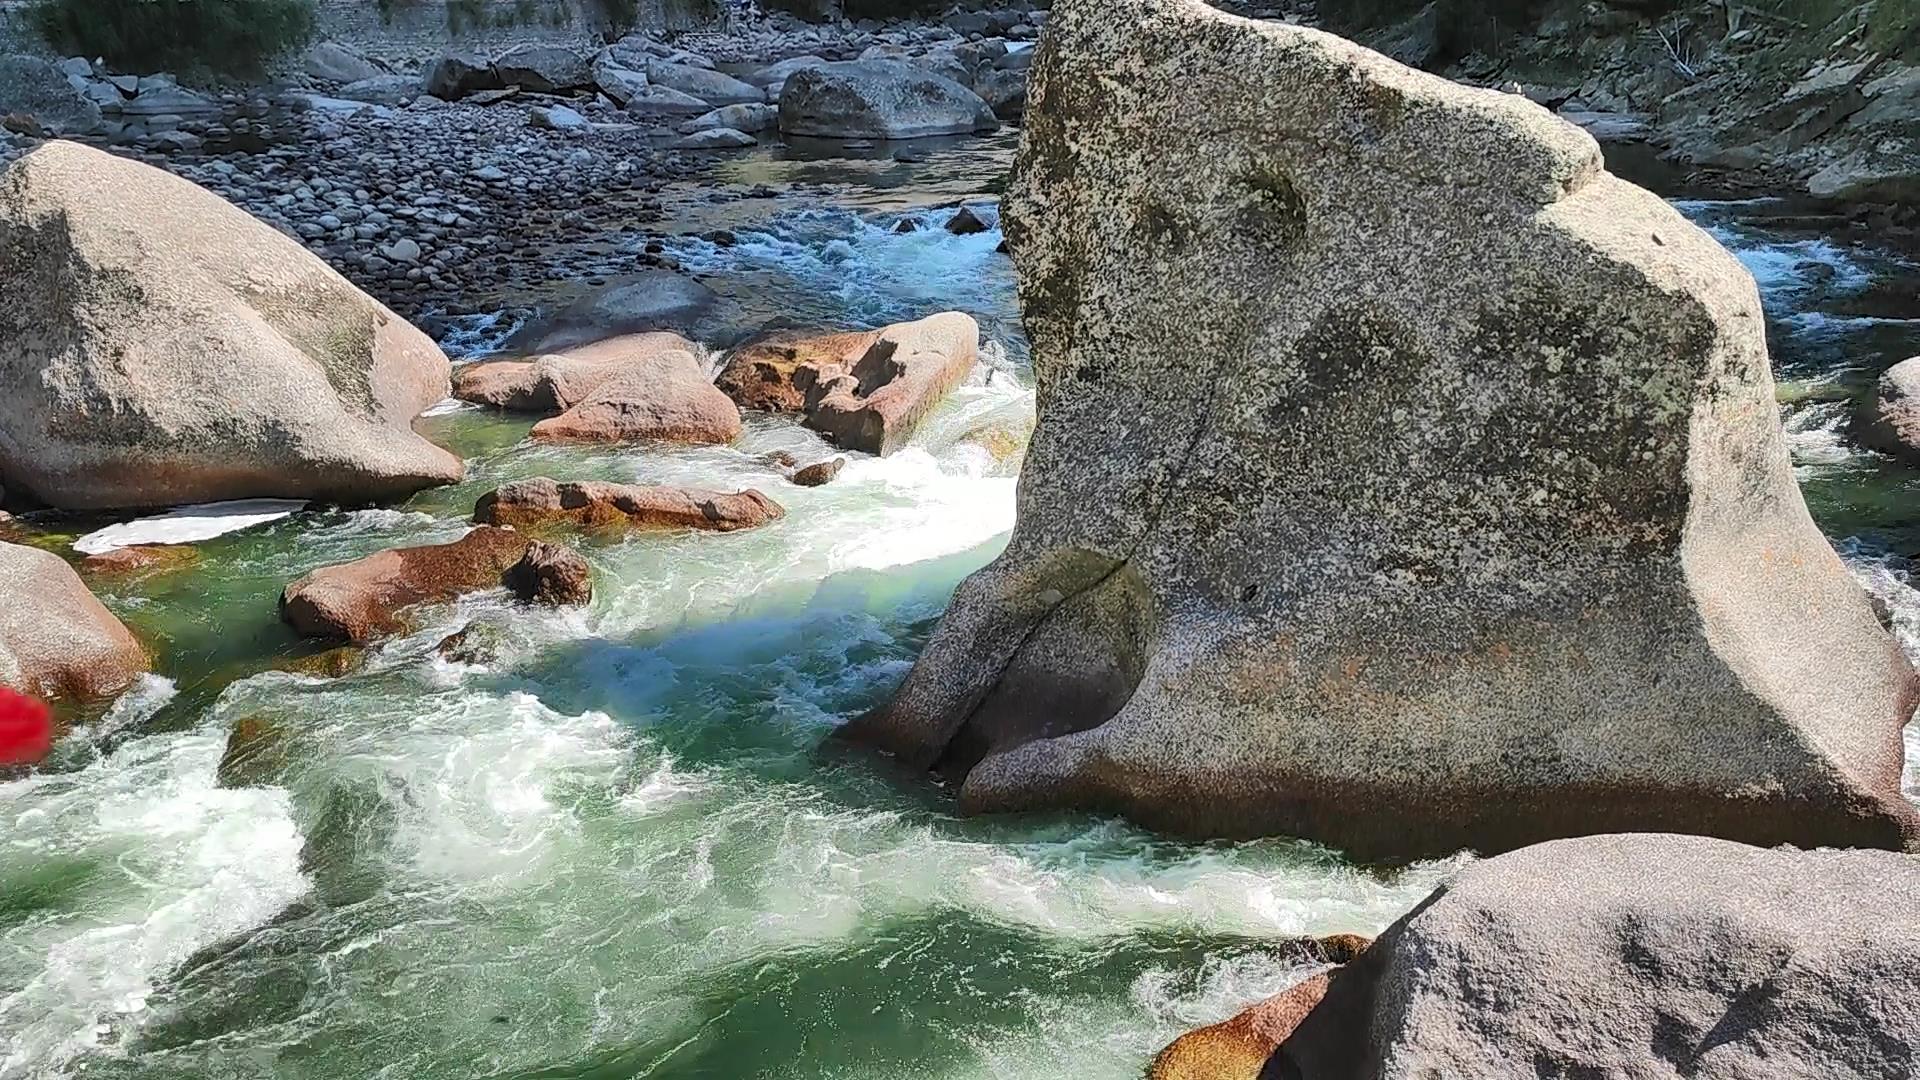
(229, 37)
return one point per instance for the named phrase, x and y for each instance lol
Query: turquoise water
(616, 842)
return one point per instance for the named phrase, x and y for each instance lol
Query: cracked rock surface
(1403, 481)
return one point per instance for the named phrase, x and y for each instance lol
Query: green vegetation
(226, 37)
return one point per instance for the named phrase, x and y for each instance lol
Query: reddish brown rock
(557, 382)
(550, 574)
(775, 373)
(56, 639)
(877, 404)
(141, 560)
(818, 473)
(670, 399)
(363, 600)
(1238, 1049)
(593, 504)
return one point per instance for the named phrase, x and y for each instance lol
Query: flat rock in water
(879, 99)
(878, 403)
(594, 504)
(749, 118)
(239, 365)
(1356, 511)
(1635, 955)
(648, 300)
(557, 382)
(367, 599)
(715, 139)
(666, 398)
(57, 641)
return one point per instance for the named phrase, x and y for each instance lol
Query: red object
(26, 728)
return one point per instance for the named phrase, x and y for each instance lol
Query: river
(614, 842)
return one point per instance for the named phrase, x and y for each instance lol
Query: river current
(615, 842)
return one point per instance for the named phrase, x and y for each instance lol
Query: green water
(616, 841)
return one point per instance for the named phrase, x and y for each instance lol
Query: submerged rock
(259, 752)
(1357, 511)
(879, 99)
(715, 139)
(367, 599)
(820, 473)
(1636, 955)
(550, 574)
(1891, 423)
(877, 404)
(542, 501)
(749, 118)
(1239, 1047)
(636, 303)
(224, 362)
(865, 390)
(56, 639)
(141, 560)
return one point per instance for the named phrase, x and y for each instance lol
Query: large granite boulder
(56, 639)
(542, 502)
(1633, 955)
(879, 99)
(30, 86)
(543, 69)
(865, 390)
(707, 85)
(1890, 423)
(1402, 480)
(159, 346)
(370, 598)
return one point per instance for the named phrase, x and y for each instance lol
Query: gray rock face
(457, 74)
(1357, 508)
(649, 300)
(36, 88)
(1648, 955)
(620, 84)
(1891, 424)
(158, 346)
(708, 86)
(56, 639)
(879, 99)
(543, 69)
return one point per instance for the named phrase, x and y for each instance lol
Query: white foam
(188, 524)
(1816, 435)
(449, 406)
(178, 864)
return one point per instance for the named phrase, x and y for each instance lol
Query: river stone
(382, 90)
(1636, 955)
(877, 403)
(158, 346)
(33, 87)
(550, 574)
(665, 101)
(719, 138)
(773, 78)
(751, 118)
(1891, 422)
(820, 473)
(776, 372)
(879, 99)
(368, 599)
(1402, 480)
(709, 86)
(559, 381)
(665, 398)
(543, 69)
(332, 62)
(56, 639)
(543, 502)
(1004, 91)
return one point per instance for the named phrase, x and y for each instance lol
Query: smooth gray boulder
(773, 77)
(158, 346)
(634, 304)
(382, 90)
(709, 86)
(33, 87)
(330, 61)
(750, 118)
(620, 84)
(1357, 510)
(1004, 91)
(1636, 956)
(56, 639)
(1890, 423)
(655, 101)
(879, 99)
(715, 138)
(543, 69)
